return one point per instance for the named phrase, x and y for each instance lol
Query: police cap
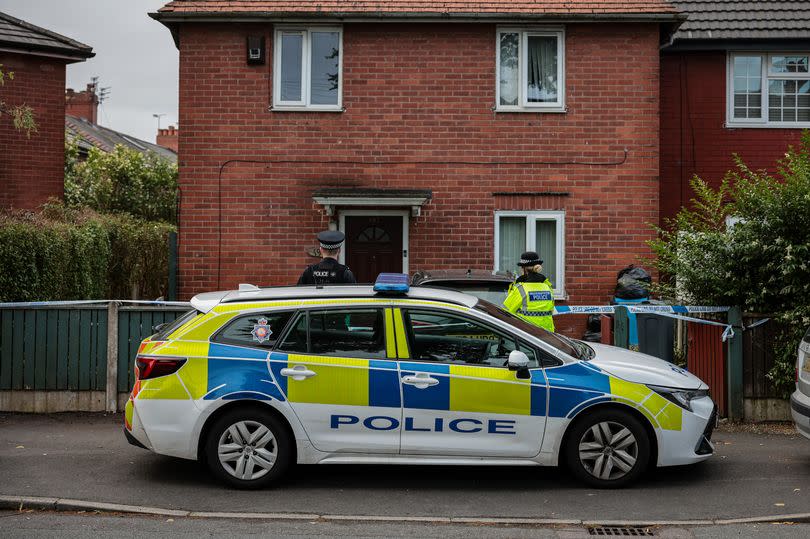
(528, 259)
(331, 239)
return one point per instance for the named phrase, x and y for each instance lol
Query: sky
(135, 56)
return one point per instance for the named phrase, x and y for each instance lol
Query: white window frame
(531, 241)
(304, 104)
(766, 75)
(524, 33)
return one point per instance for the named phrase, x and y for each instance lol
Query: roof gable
(16, 34)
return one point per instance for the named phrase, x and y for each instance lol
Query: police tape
(610, 309)
(676, 312)
(71, 303)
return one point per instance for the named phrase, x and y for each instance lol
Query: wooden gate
(706, 359)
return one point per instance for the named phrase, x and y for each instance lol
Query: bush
(66, 254)
(124, 180)
(761, 263)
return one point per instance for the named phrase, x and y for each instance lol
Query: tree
(22, 116)
(122, 181)
(747, 243)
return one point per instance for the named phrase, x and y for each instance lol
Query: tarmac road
(85, 457)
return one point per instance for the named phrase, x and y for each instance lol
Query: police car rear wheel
(608, 449)
(248, 448)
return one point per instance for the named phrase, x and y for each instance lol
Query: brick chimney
(82, 104)
(168, 138)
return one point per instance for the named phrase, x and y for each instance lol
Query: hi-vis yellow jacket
(533, 301)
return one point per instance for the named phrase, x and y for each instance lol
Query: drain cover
(620, 531)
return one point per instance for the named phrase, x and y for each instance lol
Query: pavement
(85, 457)
(91, 526)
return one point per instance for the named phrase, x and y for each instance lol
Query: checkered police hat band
(331, 245)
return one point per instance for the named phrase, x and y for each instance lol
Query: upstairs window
(769, 90)
(531, 70)
(307, 69)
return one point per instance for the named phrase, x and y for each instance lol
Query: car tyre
(607, 448)
(248, 448)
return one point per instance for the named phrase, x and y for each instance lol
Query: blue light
(391, 282)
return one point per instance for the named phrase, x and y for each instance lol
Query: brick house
(32, 170)
(435, 134)
(735, 78)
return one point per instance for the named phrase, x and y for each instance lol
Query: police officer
(531, 296)
(328, 270)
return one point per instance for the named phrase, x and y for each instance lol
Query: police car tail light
(147, 367)
(392, 282)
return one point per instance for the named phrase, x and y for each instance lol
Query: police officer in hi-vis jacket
(531, 296)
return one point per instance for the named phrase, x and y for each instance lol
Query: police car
(255, 380)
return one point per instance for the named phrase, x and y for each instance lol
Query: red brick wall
(416, 92)
(32, 170)
(167, 138)
(693, 137)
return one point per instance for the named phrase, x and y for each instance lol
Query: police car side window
(356, 333)
(296, 339)
(438, 336)
(259, 329)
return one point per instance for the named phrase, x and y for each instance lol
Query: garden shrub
(760, 262)
(64, 253)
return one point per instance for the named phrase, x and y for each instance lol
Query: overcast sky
(135, 56)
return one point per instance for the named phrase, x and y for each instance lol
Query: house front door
(374, 245)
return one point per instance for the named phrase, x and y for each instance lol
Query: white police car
(255, 380)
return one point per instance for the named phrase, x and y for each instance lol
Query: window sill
(281, 108)
(536, 110)
(782, 125)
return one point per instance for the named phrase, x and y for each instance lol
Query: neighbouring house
(81, 125)
(435, 134)
(168, 138)
(32, 170)
(735, 78)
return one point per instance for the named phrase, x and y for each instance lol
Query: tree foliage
(122, 181)
(746, 243)
(22, 116)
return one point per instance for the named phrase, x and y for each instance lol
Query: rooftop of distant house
(89, 135)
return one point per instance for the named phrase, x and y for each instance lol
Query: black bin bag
(633, 283)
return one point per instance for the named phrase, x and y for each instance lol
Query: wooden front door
(373, 245)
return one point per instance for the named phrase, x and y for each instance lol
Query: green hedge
(64, 254)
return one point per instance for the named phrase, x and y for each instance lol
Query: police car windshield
(552, 339)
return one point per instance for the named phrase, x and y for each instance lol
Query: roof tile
(744, 19)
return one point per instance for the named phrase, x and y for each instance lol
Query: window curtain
(546, 239)
(542, 69)
(511, 242)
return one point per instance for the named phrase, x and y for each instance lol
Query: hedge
(67, 254)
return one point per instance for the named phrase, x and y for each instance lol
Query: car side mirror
(517, 361)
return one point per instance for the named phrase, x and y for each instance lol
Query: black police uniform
(328, 270)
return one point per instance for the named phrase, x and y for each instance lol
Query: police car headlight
(681, 397)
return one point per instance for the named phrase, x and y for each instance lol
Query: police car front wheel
(248, 448)
(608, 448)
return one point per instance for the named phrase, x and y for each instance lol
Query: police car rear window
(257, 329)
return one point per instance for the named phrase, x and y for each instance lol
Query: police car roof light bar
(392, 282)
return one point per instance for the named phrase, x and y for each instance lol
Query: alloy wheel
(247, 450)
(608, 450)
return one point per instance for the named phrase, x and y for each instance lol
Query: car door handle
(420, 380)
(299, 372)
